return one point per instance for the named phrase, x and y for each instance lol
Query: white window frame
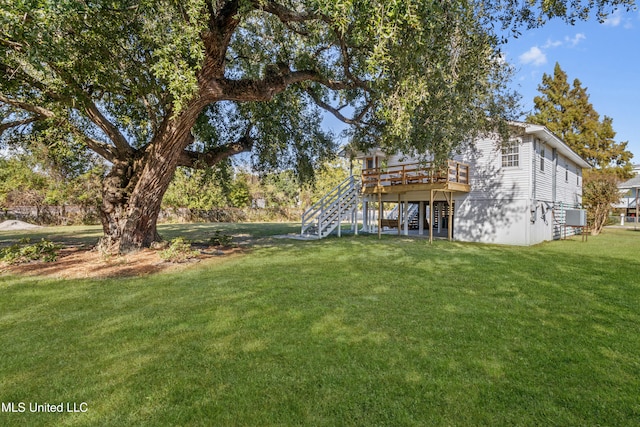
(511, 154)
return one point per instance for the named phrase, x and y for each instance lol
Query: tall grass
(350, 331)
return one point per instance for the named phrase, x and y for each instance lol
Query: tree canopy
(567, 112)
(152, 85)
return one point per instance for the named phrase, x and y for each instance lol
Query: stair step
(336, 205)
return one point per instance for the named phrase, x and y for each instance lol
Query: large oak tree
(151, 85)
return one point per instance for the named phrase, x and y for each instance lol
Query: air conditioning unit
(576, 217)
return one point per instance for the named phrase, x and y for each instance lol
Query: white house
(630, 191)
(515, 194)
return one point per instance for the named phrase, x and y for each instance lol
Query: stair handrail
(336, 211)
(314, 213)
(393, 213)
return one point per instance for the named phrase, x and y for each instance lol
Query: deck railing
(416, 173)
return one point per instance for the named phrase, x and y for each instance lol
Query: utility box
(576, 217)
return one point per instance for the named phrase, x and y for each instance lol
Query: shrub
(179, 251)
(24, 251)
(220, 239)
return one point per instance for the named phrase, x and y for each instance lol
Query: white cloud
(552, 43)
(575, 40)
(614, 19)
(533, 56)
(619, 17)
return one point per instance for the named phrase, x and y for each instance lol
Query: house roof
(541, 132)
(632, 183)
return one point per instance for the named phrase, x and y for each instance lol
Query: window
(541, 158)
(511, 154)
(370, 164)
(566, 173)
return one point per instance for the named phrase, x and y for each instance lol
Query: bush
(23, 252)
(220, 239)
(179, 251)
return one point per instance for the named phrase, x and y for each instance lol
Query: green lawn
(350, 331)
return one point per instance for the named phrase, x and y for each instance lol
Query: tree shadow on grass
(339, 329)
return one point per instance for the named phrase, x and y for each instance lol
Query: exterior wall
(485, 221)
(497, 210)
(557, 186)
(569, 183)
(516, 205)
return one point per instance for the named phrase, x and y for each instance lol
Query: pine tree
(567, 112)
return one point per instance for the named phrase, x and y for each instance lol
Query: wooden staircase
(325, 216)
(412, 214)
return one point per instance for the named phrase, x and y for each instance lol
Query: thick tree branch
(357, 120)
(288, 16)
(100, 148)
(153, 117)
(8, 125)
(284, 14)
(346, 62)
(197, 160)
(247, 90)
(222, 26)
(106, 151)
(39, 111)
(114, 134)
(95, 115)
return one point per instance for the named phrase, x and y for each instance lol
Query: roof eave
(549, 137)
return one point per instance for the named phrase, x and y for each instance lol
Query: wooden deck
(454, 176)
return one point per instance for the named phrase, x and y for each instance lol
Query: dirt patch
(77, 263)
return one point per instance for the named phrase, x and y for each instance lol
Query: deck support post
(635, 227)
(449, 197)
(365, 216)
(421, 218)
(430, 216)
(379, 215)
(406, 218)
(399, 214)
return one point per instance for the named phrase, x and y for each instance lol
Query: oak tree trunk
(130, 208)
(132, 192)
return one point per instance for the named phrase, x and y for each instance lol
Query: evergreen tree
(567, 112)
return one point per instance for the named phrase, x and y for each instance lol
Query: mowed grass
(88, 235)
(349, 331)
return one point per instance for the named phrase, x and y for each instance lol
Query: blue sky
(604, 57)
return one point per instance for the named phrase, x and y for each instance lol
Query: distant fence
(230, 215)
(76, 215)
(628, 220)
(52, 215)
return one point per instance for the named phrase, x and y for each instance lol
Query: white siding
(569, 184)
(543, 178)
(488, 221)
(497, 208)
